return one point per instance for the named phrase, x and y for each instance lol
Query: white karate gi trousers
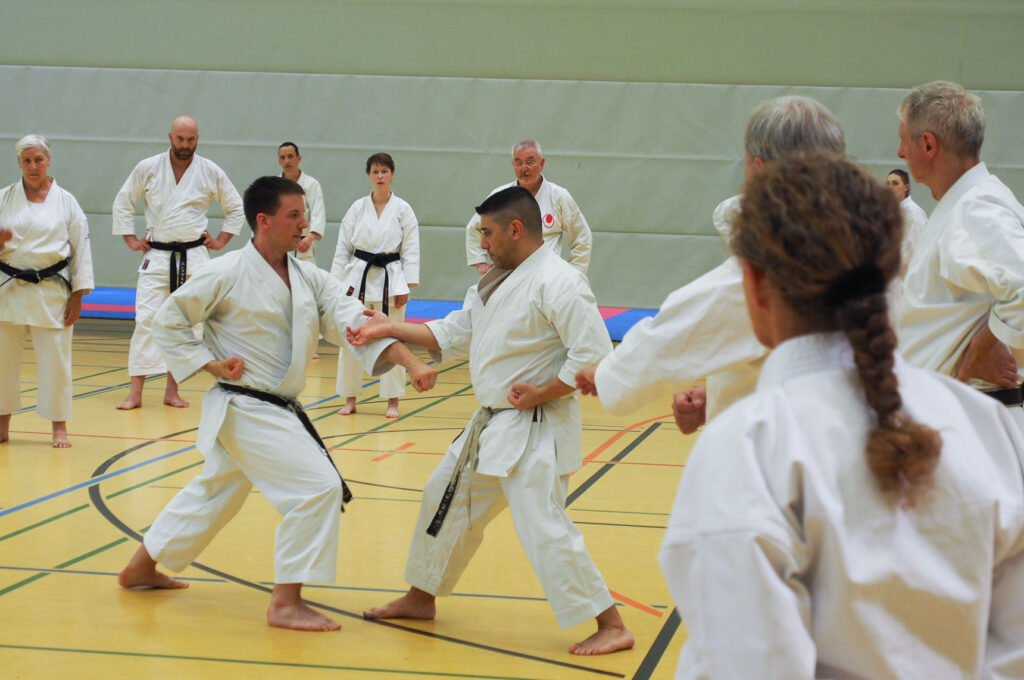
(263, 445)
(144, 356)
(535, 493)
(350, 371)
(52, 348)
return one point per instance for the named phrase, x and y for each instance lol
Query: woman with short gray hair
(45, 270)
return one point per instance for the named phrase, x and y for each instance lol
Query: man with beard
(178, 186)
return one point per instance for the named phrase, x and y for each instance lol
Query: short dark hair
(902, 173)
(513, 203)
(380, 158)
(291, 144)
(264, 196)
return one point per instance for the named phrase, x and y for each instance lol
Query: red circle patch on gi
(549, 219)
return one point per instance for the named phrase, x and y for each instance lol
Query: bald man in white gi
(963, 312)
(702, 329)
(178, 186)
(561, 218)
(288, 158)
(253, 430)
(527, 327)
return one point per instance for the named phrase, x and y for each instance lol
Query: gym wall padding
(647, 162)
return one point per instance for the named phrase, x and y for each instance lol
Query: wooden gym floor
(70, 519)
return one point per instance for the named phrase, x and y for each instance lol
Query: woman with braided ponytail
(854, 517)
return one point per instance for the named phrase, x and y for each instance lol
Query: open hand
(377, 326)
(137, 244)
(988, 359)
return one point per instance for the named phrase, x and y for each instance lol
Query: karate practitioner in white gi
(561, 218)
(855, 517)
(914, 216)
(702, 329)
(261, 312)
(45, 270)
(178, 186)
(288, 158)
(528, 327)
(378, 261)
(963, 312)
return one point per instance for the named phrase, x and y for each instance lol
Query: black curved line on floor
(101, 506)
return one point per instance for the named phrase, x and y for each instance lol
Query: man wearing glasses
(561, 218)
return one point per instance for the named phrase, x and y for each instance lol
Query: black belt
(1010, 396)
(296, 408)
(37, 275)
(179, 271)
(376, 260)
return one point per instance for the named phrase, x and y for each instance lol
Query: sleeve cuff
(1006, 334)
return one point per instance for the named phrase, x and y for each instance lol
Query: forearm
(222, 238)
(554, 389)
(413, 334)
(398, 353)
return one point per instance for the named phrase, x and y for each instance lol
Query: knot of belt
(295, 407)
(467, 457)
(179, 270)
(37, 275)
(381, 260)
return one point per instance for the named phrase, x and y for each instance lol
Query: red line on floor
(618, 435)
(633, 603)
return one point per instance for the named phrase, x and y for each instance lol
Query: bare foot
(299, 617)
(315, 357)
(175, 401)
(5, 427)
(349, 408)
(171, 396)
(60, 435)
(154, 579)
(611, 636)
(392, 411)
(132, 401)
(415, 604)
(604, 641)
(134, 398)
(141, 573)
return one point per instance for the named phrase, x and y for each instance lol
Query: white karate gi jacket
(541, 322)
(914, 219)
(701, 330)
(561, 220)
(44, 234)
(968, 270)
(176, 211)
(786, 561)
(247, 311)
(315, 215)
(395, 231)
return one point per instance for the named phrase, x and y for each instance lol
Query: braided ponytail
(901, 453)
(801, 221)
